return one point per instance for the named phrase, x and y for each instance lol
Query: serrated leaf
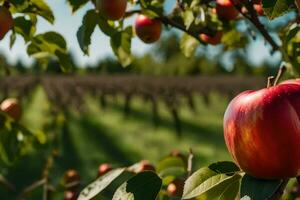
(188, 45)
(99, 185)
(257, 189)
(144, 186)
(121, 45)
(86, 30)
(276, 8)
(76, 4)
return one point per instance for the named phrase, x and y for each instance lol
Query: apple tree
(261, 127)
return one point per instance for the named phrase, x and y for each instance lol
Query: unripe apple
(226, 10)
(178, 154)
(262, 131)
(104, 168)
(213, 40)
(12, 107)
(71, 176)
(147, 29)
(175, 188)
(6, 21)
(111, 9)
(146, 166)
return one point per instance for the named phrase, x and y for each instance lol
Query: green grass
(100, 135)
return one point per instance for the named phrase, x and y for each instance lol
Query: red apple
(12, 107)
(71, 176)
(70, 195)
(6, 21)
(213, 40)
(259, 9)
(147, 29)
(262, 131)
(146, 166)
(175, 188)
(111, 9)
(104, 168)
(226, 10)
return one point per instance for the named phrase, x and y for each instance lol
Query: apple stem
(281, 71)
(270, 81)
(280, 190)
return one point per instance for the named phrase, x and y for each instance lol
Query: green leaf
(188, 18)
(39, 7)
(107, 27)
(276, 8)
(170, 162)
(219, 180)
(188, 45)
(144, 186)
(50, 44)
(234, 39)
(25, 27)
(100, 184)
(86, 30)
(121, 45)
(257, 189)
(225, 167)
(76, 4)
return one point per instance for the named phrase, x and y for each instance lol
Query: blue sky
(67, 24)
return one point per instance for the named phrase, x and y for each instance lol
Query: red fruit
(111, 9)
(71, 176)
(103, 169)
(226, 10)
(6, 21)
(256, 1)
(213, 40)
(69, 195)
(147, 29)
(12, 107)
(175, 188)
(146, 166)
(259, 9)
(262, 131)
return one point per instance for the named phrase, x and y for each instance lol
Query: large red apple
(11, 107)
(213, 40)
(147, 29)
(6, 21)
(111, 9)
(226, 10)
(262, 131)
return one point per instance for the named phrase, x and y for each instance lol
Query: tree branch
(253, 18)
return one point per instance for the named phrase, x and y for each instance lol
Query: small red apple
(104, 168)
(146, 166)
(262, 131)
(259, 9)
(71, 176)
(70, 195)
(175, 188)
(213, 40)
(12, 107)
(226, 10)
(111, 9)
(147, 29)
(6, 21)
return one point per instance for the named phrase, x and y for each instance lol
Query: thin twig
(270, 81)
(31, 188)
(253, 18)
(6, 183)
